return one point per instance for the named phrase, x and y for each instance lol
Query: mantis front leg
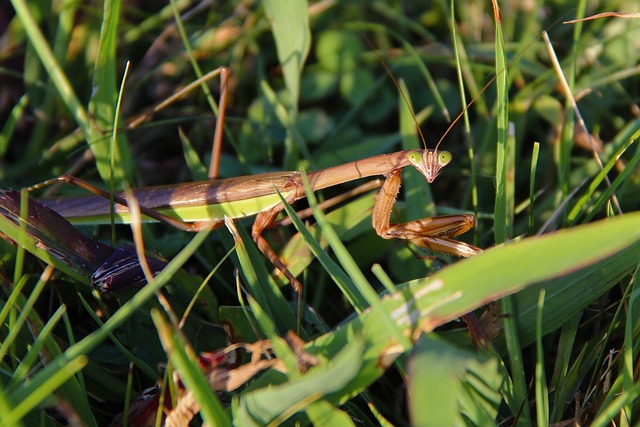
(434, 233)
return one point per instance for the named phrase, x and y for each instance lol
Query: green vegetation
(378, 341)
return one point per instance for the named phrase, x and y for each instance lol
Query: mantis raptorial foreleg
(434, 233)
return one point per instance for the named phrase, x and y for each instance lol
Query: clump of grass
(309, 94)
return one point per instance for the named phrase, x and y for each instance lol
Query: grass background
(570, 358)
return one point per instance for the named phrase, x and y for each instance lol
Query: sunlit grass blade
(114, 165)
(424, 304)
(290, 28)
(504, 201)
(277, 403)
(258, 282)
(597, 180)
(505, 143)
(541, 389)
(190, 373)
(33, 393)
(346, 283)
(349, 220)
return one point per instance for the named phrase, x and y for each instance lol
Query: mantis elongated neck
(376, 165)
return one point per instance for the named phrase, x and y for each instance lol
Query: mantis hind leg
(216, 149)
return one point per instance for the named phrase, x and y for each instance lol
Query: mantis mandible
(193, 205)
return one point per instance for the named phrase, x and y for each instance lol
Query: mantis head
(429, 162)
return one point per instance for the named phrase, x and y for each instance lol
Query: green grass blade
(290, 28)
(190, 373)
(57, 75)
(70, 391)
(541, 390)
(363, 287)
(532, 186)
(44, 336)
(505, 149)
(599, 178)
(33, 393)
(88, 343)
(260, 285)
(424, 304)
(504, 202)
(9, 340)
(264, 406)
(102, 105)
(350, 220)
(346, 283)
(9, 126)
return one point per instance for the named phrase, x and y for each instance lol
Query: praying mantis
(192, 206)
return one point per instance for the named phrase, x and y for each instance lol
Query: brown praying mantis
(192, 206)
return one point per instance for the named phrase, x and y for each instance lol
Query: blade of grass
(346, 260)
(16, 327)
(460, 53)
(290, 28)
(424, 304)
(630, 348)
(44, 335)
(144, 367)
(64, 32)
(88, 343)
(10, 125)
(261, 287)
(532, 186)
(287, 119)
(276, 403)
(504, 206)
(593, 189)
(114, 165)
(560, 381)
(190, 373)
(344, 281)
(541, 390)
(35, 392)
(70, 391)
(57, 75)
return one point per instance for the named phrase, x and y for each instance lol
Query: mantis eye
(414, 158)
(444, 157)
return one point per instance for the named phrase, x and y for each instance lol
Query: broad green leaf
(262, 406)
(422, 305)
(448, 384)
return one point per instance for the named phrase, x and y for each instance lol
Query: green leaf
(290, 27)
(422, 305)
(262, 406)
(448, 384)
